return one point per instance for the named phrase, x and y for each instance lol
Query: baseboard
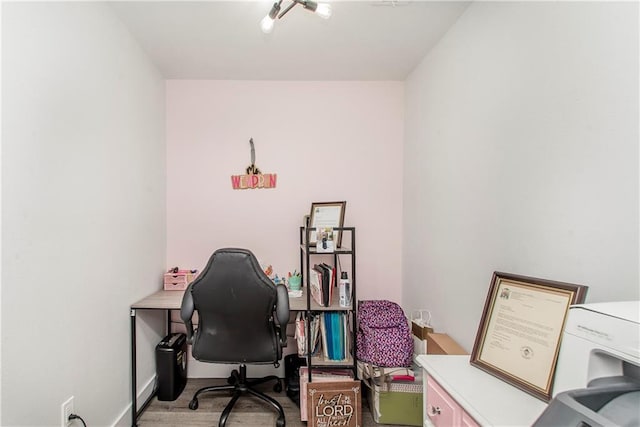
(124, 420)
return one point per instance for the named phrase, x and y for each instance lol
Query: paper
(524, 331)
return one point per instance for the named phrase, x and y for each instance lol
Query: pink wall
(326, 141)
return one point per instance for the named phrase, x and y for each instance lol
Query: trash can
(171, 366)
(292, 363)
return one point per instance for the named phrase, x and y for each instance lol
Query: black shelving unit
(346, 252)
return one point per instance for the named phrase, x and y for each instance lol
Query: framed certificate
(326, 215)
(519, 335)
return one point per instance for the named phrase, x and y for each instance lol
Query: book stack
(322, 280)
(301, 332)
(330, 335)
(334, 331)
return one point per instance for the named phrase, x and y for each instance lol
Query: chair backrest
(236, 304)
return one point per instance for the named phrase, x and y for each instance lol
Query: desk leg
(168, 322)
(134, 386)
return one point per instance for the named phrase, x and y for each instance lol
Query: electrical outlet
(66, 409)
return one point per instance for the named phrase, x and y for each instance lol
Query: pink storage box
(178, 281)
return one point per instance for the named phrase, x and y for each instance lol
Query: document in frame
(524, 331)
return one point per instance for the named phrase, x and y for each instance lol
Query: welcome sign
(331, 404)
(253, 178)
(241, 182)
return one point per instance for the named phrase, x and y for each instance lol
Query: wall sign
(332, 404)
(253, 177)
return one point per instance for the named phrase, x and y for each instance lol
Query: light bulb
(267, 24)
(324, 10)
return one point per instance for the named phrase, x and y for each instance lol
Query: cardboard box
(443, 344)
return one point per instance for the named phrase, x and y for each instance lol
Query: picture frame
(326, 215)
(520, 331)
(334, 403)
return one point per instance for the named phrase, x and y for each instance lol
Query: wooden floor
(247, 412)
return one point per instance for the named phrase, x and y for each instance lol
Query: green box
(395, 407)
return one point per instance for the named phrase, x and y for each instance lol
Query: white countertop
(489, 400)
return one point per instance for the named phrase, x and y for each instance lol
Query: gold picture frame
(520, 331)
(326, 215)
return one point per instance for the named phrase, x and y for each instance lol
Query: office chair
(242, 319)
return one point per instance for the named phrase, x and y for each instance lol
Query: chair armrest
(282, 312)
(186, 312)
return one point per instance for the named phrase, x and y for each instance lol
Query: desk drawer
(178, 281)
(441, 409)
(175, 286)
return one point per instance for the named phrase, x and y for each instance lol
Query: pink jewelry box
(178, 281)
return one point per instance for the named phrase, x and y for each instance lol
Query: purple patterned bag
(384, 337)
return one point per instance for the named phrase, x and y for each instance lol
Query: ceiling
(222, 40)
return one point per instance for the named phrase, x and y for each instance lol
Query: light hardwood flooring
(247, 412)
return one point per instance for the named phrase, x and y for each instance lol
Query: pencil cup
(295, 283)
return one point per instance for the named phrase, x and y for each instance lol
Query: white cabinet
(442, 409)
(467, 421)
(457, 393)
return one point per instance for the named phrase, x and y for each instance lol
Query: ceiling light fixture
(321, 9)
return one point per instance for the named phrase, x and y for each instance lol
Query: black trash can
(292, 363)
(171, 366)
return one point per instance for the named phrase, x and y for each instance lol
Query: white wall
(521, 156)
(0, 226)
(326, 141)
(83, 189)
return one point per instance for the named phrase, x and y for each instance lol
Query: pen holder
(295, 283)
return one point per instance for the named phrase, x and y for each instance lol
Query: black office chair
(242, 319)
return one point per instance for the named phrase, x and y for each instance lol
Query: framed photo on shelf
(520, 330)
(327, 215)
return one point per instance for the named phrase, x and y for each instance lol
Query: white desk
(487, 399)
(169, 300)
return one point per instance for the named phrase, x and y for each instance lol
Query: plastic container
(345, 290)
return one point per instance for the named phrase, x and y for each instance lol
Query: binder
(332, 283)
(323, 336)
(335, 338)
(315, 285)
(337, 345)
(315, 333)
(326, 284)
(300, 334)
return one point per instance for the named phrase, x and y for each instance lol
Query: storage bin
(178, 281)
(392, 402)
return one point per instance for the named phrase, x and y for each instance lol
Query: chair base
(239, 384)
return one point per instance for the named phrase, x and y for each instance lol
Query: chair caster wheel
(193, 405)
(280, 422)
(277, 387)
(233, 378)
